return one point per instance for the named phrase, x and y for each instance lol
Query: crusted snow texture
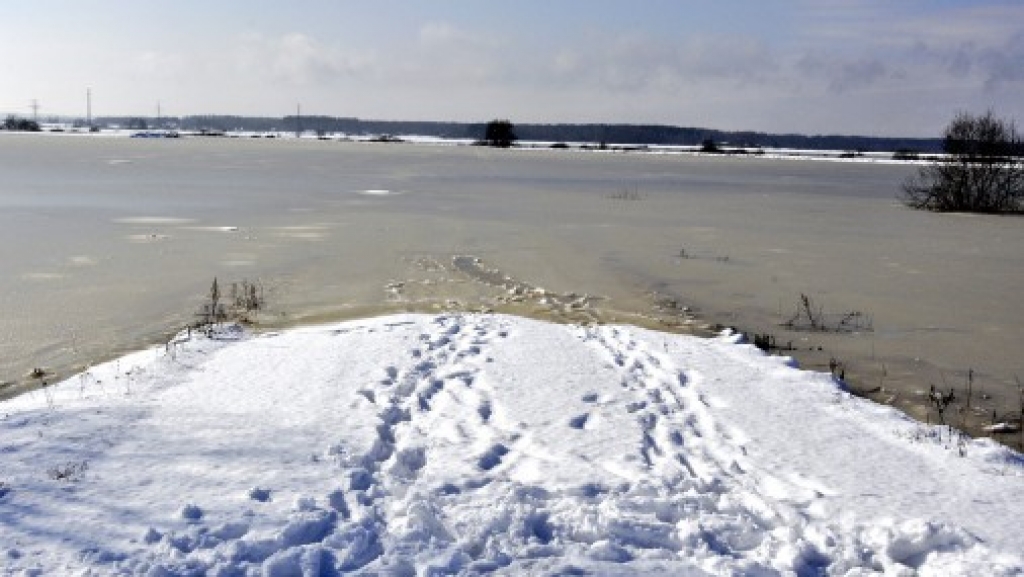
(427, 445)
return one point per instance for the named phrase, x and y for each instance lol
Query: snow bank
(483, 443)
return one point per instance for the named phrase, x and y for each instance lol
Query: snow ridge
(449, 444)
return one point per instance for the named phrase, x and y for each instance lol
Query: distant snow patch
(153, 220)
(228, 228)
(82, 260)
(378, 192)
(302, 232)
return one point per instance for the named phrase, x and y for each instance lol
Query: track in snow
(474, 454)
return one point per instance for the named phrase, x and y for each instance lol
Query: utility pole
(88, 107)
(157, 114)
(35, 111)
(298, 120)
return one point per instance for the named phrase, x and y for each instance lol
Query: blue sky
(876, 67)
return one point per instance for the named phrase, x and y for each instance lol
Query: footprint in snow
(677, 438)
(259, 494)
(492, 458)
(191, 513)
(484, 410)
(636, 406)
(579, 421)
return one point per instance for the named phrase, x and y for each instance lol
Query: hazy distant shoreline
(883, 150)
(611, 134)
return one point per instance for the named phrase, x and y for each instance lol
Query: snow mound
(466, 444)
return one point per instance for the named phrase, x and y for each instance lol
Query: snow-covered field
(471, 444)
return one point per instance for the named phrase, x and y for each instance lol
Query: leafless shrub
(983, 170)
(810, 315)
(212, 311)
(941, 402)
(767, 343)
(244, 300)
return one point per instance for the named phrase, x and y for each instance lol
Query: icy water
(110, 244)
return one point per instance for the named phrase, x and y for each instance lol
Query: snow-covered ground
(421, 444)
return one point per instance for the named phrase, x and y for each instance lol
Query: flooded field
(110, 244)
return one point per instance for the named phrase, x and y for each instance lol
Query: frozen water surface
(108, 244)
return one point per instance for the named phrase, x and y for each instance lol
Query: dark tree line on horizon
(20, 124)
(610, 134)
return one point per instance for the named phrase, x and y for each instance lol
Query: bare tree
(500, 133)
(982, 171)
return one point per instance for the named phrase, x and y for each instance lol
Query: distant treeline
(611, 134)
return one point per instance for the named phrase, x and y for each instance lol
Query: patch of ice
(42, 276)
(153, 220)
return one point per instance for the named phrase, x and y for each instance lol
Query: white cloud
(840, 74)
(636, 63)
(153, 64)
(810, 63)
(299, 59)
(445, 35)
(436, 33)
(866, 41)
(1005, 64)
